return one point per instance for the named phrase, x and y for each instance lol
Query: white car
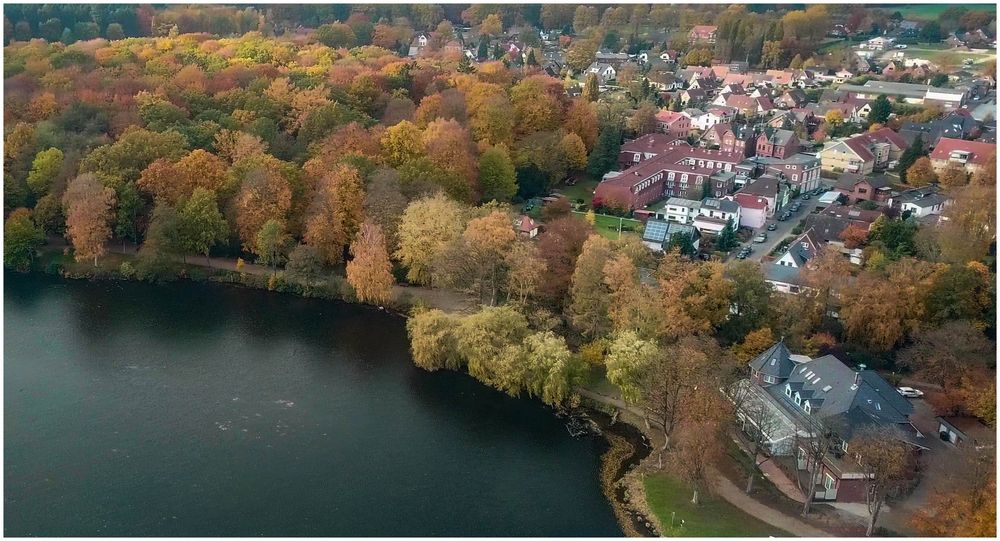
(901, 46)
(910, 392)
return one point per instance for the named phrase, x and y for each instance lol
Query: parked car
(772, 226)
(807, 197)
(782, 217)
(786, 215)
(760, 238)
(910, 392)
(741, 255)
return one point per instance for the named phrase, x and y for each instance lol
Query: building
(963, 430)
(773, 143)
(713, 117)
(972, 155)
(801, 171)
(754, 210)
(604, 72)
(739, 140)
(659, 233)
(920, 202)
(948, 98)
(953, 126)
(795, 402)
(673, 123)
(680, 171)
(702, 33)
(680, 210)
(527, 227)
(771, 188)
(784, 274)
(714, 214)
(643, 148)
(864, 153)
(864, 188)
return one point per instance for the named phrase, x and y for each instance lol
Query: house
(714, 214)
(612, 59)
(745, 104)
(948, 98)
(831, 223)
(784, 274)
(418, 45)
(691, 96)
(771, 188)
(526, 227)
(738, 140)
(864, 188)
(972, 155)
(754, 210)
(964, 430)
(773, 143)
(659, 233)
(604, 72)
(953, 126)
(680, 171)
(880, 43)
(679, 210)
(919, 202)
(673, 123)
(791, 99)
(713, 117)
(800, 171)
(863, 153)
(798, 398)
(705, 33)
(663, 80)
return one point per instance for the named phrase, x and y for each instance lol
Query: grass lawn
(931, 11)
(710, 518)
(607, 226)
(583, 189)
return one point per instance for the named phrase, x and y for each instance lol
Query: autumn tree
(633, 306)
(627, 360)
(986, 175)
(482, 338)
(476, 263)
(384, 205)
(21, 239)
(89, 208)
(964, 505)
(369, 272)
(588, 310)
(201, 224)
(264, 195)
(497, 177)
(541, 365)
(336, 213)
(173, 181)
(854, 236)
(884, 460)
(271, 243)
(433, 341)
(427, 227)
(921, 173)
(952, 176)
(559, 245)
(699, 443)
(526, 272)
(44, 170)
(750, 299)
(753, 344)
(945, 354)
(591, 92)
(581, 119)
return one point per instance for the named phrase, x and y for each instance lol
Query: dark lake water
(201, 410)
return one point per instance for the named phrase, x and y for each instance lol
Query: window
(829, 482)
(670, 176)
(770, 379)
(807, 407)
(788, 390)
(795, 178)
(798, 399)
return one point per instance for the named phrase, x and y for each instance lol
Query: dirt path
(723, 486)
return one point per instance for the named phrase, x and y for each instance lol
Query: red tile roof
(750, 201)
(668, 116)
(979, 152)
(652, 142)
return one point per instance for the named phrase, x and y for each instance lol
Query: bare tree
(762, 422)
(815, 438)
(885, 461)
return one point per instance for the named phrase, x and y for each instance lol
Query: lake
(204, 410)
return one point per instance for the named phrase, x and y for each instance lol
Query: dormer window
(798, 399)
(788, 390)
(807, 407)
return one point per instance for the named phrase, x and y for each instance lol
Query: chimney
(857, 374)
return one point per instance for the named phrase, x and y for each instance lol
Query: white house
(715, 115)
(784, 274)
(604, 72)
(714, 214)
(880, 43)
(754, 210)
(680, 210)
(920, 202)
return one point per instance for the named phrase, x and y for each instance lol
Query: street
(783, 230)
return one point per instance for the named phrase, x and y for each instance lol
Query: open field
(607, 226)
(931, 11)
(711, 518)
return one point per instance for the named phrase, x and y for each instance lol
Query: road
(783, 230)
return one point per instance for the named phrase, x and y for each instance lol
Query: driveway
(783, 230)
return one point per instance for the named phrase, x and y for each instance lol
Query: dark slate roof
(842, 397)
(774, 272)
(776, 361)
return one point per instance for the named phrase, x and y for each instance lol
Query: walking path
(723, 486)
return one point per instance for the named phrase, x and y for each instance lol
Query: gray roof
(897, 89)
(774, 272)
(724, 205)
(776, 361)
(848, 398)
